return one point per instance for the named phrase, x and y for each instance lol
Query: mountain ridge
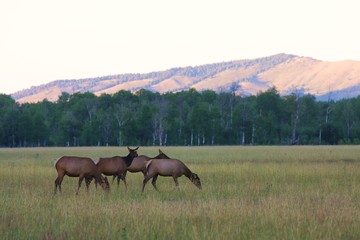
(286, 72)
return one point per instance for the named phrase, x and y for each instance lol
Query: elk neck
(128, 159)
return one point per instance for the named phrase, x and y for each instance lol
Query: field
(277, 192)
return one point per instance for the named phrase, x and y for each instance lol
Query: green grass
(300, 192)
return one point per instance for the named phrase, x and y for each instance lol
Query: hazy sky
(46, 40)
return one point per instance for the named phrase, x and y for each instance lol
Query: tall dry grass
(307, 192)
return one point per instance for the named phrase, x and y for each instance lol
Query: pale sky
(45, 40)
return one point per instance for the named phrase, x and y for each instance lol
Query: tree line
(185, 118)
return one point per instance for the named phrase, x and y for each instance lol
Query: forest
(184, 118)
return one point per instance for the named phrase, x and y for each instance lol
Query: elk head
(133, 152)
(194, 178)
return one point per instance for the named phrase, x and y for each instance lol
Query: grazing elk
(116, 166)
(168, 168)
(81, 167)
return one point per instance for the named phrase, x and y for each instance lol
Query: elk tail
(95, 160)
(56, 160)
(147, 164)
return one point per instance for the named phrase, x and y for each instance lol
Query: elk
(81, 167)
(139, 163)
(168, 168)
(117, 166)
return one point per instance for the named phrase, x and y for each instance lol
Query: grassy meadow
(272, 192)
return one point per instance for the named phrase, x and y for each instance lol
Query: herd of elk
(88, 169)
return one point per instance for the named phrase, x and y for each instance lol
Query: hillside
(286, 72)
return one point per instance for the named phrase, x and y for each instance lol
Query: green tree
(244, 120)
(308, 126)
(8, 121)
(268, 124)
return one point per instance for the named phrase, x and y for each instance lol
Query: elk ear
(160, 151)
(136, 148)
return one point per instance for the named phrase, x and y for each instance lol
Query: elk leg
(123, 177)
(88, 181)
(58, 182)
(146, 179)
(124, 174)
(79, 185)
(56, 185)
(106, 184)
(113, 178)
(153, 182)
(176, 181)
(118, 180)
(143, 170)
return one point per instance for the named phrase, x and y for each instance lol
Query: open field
(278, 192)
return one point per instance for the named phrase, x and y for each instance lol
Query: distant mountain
(288, 73)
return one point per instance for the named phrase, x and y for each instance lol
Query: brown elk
(81, 167)
(116, 166)
(139, 163)
(168, 168)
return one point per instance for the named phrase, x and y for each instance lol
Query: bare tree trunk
(294, 130)
(161, 133)
(192, 137)
(160, 141)
(120, 116)
(107, 129)
(328, 111)
(253, 135)
(153, 138)
(158, 132)
(120, 140)
(348, 125)
(155, 130)
(89, 111)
